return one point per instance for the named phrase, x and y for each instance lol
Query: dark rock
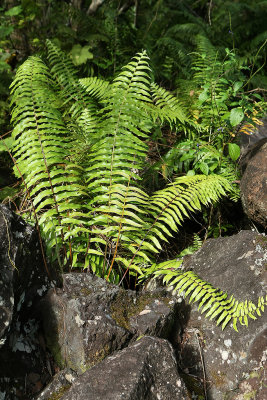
(253, 187)
(88, 319)
(236, 265)
(23, 280)
(250, 140)
(253, 165)
(145, 370)
(253, 387)
(60, 384)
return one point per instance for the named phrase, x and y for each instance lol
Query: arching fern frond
(167, 106)
(186, 194)
(212, 301)
(41, 150)
(95, 87)
(65, 74)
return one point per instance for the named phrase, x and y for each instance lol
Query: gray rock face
(237, 265)
(252, 387)
(253, 164)
(89, 319)
(146, 370)
(23, 280)
(23, 275)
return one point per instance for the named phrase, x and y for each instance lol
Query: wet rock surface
(236, 265)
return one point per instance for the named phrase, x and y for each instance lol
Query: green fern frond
(212, 301)
(65, 74)
(205, 61)
(186, 194)
(41, 150)
(95, 87)
(167, 106)
(114, 162)
(188, 30)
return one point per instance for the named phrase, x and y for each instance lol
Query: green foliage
(215, 105)
(212, 301)
(81, 146)
(41, 149)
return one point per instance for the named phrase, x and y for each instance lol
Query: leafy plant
(80, 147)
(212, 301)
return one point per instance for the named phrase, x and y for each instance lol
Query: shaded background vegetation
(102, 35)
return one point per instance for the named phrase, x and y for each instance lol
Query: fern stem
(120, 227)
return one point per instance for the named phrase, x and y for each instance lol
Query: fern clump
(80, 146)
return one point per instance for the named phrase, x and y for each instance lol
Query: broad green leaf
(12, 12)
(236, 116)
(204, 168)
(7, 145)
(5, 31)
(203, 96)
(234, 151)
(237, 86)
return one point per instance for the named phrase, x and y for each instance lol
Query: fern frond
(95, 87)
(212, 301)
(71, 91)
(186, 194)
(112, 174)
(205, 61)
(41, 150)
(167, 106)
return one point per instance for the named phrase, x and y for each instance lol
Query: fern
(97, 88)
(186, 194)
(82, 167)
(41, 150)
(212, 301)
(167, 106)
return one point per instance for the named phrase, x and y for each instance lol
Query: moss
(85, 291)
(218, 379)
(262, 241)
(74, 365)
(124, 307)
(59, 393)
(97, 357)
(250, 395)
(193, 385)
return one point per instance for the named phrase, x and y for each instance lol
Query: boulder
(88, 319)
(252, 387)
(23, 280)
(253, 187)
(237, 265)
(145, 370)
(250, 138)
(253, 164)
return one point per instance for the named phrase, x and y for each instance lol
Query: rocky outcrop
(253, 164)
(89, 319)
(93, 340)
(23, 281)
(144, 370)
(237, 265)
